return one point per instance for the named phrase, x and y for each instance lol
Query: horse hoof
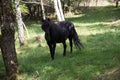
(64, 54)
(52, 58)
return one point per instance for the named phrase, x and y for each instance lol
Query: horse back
(58, 33)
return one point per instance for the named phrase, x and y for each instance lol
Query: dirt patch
(113, 74)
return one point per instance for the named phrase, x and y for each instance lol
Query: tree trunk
(63, 6)
(69, 6)
(38, 12)
(117, 1)
(8, 42)
(20, 23)
(96, 2)
(43, 10)
(58, 9)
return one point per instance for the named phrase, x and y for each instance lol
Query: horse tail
(76, 39)
(73, 34)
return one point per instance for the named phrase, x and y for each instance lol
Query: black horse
(58, 33)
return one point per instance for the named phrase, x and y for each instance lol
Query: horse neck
(53, 24)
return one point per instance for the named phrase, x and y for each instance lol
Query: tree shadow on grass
(101, 53)
(105, 48)
(98, 14)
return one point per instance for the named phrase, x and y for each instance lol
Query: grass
(99, 60)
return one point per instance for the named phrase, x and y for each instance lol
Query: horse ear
(42, 20)
(48, 19)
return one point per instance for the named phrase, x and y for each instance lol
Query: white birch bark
(19, 22)
(43, 10)
(58, 9)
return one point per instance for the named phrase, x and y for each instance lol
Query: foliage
(24, 9)
(100, 56)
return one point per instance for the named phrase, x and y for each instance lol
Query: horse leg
(70, 40)
(54, 46)
(64, 45)
(51, 50)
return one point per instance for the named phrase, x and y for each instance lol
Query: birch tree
(20, 23)
(58, 9)
(7, 40)
(42, 9)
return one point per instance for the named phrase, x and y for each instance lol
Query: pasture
(98, 60)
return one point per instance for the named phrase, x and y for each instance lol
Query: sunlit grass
(100, 54)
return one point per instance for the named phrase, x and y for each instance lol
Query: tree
(20, 23)
(34, 9)
(7, 41)
(58, 9)
(42, 10)
(117, 1)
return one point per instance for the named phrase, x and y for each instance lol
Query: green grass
(101, 52)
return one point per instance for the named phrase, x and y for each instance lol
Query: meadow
(98, 60)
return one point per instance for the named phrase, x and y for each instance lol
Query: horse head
(46, 25)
